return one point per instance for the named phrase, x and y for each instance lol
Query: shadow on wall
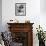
(0, 15)
(43, 6)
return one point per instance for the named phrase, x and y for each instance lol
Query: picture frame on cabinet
(20, 9)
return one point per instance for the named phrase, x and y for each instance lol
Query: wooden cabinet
(22, 33)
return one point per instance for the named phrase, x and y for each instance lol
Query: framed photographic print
(20, 9)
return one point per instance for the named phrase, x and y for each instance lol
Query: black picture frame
(20, 9)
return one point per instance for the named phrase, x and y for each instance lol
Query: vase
(41, 43)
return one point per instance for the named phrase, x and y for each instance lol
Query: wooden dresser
(22, 33)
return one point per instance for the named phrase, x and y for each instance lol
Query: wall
(33, 13)
(0, 15)
(43, 14)
(43, 6)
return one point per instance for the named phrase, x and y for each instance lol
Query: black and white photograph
(20, 9)
(22, 22)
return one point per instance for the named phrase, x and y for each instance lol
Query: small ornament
(27, 21)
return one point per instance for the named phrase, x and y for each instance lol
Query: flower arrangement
(40, 34)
